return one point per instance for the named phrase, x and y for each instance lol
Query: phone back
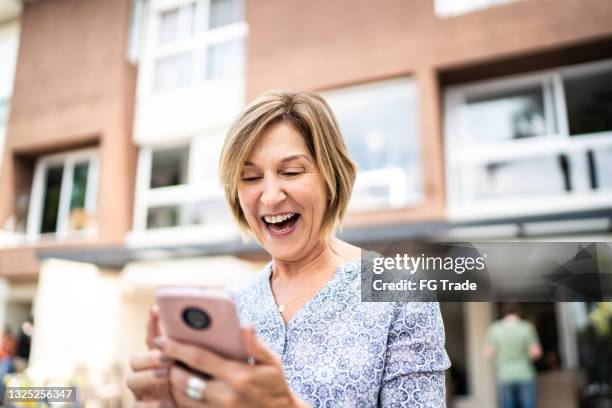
(204, 317)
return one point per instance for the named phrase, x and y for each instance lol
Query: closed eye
(292, 171)
(251, 179)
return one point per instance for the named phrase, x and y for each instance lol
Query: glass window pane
(203, 212)
(225, 60)
(528, 177)
(176, 24)
(379, 124)
(78, 218)
(223, 12)
(79, 185)
(173, 72)
(170, 167)
(506, 115)
(163, 217)
(53, 186)
(589, 103)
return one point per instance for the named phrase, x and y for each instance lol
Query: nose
(273, 193)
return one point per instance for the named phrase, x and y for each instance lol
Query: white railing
(393, 179)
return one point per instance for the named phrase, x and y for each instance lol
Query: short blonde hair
(312, 117)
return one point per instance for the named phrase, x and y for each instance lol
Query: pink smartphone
(204, 317)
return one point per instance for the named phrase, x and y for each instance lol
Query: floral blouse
(340, 352)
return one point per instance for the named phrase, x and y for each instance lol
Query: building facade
(67, 176)
(479, 119)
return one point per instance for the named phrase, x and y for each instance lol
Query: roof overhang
(592, 221)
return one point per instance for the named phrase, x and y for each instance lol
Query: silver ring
(195, 388)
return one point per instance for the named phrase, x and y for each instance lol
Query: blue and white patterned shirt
(340, 352)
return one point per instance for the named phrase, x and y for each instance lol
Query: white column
(567, 334)
(481, 375)
(75, 315)
(4, 294)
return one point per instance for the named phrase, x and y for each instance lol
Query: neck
(322, 258)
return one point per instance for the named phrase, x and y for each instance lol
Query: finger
(183, 401)
(149, 360)
(216, 392)
(153, 326)
(150, 384)
(256, 348)
(197, 358)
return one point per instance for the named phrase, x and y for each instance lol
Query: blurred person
(515, 344)
(288, 177)
(7, 354)
(24, 341)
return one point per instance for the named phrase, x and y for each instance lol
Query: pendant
(281, 308)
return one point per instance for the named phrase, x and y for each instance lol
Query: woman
(288, 178)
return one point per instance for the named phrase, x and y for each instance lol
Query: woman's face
(282, 194)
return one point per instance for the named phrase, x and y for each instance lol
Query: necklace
(282, 306)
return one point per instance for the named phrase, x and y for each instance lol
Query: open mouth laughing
(280, 224)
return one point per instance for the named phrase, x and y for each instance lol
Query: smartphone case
(223, 334)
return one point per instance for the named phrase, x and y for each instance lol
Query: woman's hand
(233, 383)
(149, 380)
(153, 327)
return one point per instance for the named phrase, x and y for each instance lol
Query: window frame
(35, 210)
(399, 194)
(201, 185)
(459, 160)
(197, 45)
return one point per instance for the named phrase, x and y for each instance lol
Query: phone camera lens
(196, 318)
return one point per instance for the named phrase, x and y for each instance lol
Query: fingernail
(166, 404)
(161, 372)
(159, 342)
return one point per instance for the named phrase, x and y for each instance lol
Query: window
(209, 211)
(195, 42)
(169, 167)
(9, 44)
(529, 141)
(589, 102)
(63, 195)
(176, 191)
(224, 60)
(447, 8)
(379, 124)
(507, 115)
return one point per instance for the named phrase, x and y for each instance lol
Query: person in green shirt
(514, 343)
